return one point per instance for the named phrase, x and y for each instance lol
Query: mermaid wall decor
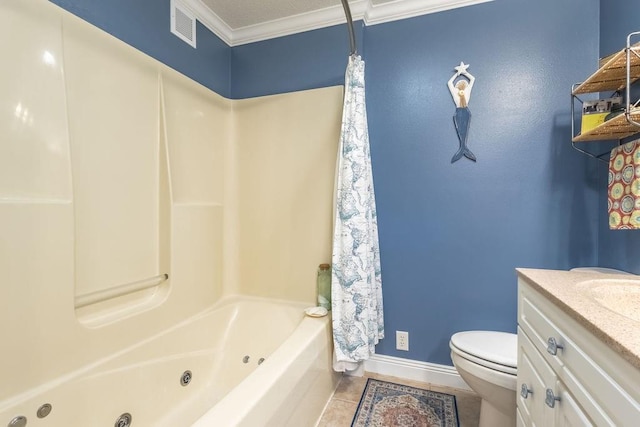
(461, 93)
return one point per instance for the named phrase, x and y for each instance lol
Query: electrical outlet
(402, 340)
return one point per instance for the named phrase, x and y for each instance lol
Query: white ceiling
(245, 21)
(243, 13)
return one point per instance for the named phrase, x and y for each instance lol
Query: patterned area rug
(385, 404)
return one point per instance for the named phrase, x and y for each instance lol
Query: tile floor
(342, 407)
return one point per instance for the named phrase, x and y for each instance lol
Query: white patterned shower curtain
(356, 282)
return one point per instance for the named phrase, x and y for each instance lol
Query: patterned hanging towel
(623, 202)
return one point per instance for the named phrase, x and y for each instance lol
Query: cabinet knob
(525, 391)
(553, 346)
(551, 399)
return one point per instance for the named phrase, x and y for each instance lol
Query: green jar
(324, 286)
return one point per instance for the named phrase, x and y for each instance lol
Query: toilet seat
(494, 350)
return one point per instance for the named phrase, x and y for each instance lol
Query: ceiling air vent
(183, 23)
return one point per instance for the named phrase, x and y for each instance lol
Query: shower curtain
(356, 282)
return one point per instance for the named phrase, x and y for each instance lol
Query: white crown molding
(403, 9)
(439, 375)
(360, 9)
(308, 21)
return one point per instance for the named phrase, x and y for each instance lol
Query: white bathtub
(290, 388)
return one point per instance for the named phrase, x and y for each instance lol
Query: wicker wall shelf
(613, 74)
(616, 128)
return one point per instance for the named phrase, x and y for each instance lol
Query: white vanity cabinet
(566, 375)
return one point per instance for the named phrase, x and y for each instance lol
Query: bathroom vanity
(578, 349)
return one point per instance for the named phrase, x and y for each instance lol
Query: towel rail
(127, 288)
(352, 36)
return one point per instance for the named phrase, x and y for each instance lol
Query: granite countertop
(565, 290)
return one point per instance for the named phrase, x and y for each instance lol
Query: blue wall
(302, 61)
(451, 234)
(617, 248)
(618, 18)
(144, 24)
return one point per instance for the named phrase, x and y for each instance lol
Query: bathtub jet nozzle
(186, 378)
(44, 410)
(123, 420)
(19, 421)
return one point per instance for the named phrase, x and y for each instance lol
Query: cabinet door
(567, 411)
(534, 377)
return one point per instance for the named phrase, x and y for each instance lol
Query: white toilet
(487, 362)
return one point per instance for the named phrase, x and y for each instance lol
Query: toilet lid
(496, 347)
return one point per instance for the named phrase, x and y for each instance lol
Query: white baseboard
(439, 375)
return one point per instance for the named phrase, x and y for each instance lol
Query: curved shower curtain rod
(352, 37)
